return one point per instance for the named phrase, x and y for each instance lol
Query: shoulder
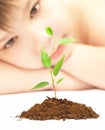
(94, 20)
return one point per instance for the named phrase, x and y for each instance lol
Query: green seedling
(46, 61)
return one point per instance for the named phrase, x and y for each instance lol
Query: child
(22, 34)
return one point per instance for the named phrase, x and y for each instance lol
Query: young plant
(46, 61)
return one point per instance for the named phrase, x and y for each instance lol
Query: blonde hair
(7, 9)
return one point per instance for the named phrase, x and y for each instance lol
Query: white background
(13, 104)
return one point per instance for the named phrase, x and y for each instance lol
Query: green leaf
(46, 61)
(67, 40)
(49, 31)
(58, 66)
(40, 85)
(59, 80)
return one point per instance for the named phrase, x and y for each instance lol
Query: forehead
(15, 12)
(12, 13)
(22, 7)
(4, 35)
(24, 4)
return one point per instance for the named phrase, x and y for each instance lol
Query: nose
(38, 37)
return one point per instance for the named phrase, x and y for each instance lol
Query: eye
(10, 43)
(34, 9)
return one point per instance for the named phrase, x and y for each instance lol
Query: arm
(87, 63)
(13, 80)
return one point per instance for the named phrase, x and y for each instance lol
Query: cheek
(22, 59)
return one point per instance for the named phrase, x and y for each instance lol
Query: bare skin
(85, 60)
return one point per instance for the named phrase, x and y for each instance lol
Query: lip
(58, 52)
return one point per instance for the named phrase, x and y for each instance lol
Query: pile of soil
(56, 109)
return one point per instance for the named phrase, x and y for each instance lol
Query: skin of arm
(15, 80)
(87, 63)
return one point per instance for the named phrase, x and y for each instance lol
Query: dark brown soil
(56, 109)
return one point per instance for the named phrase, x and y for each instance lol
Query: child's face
(23, 47)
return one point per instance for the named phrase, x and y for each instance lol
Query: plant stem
(53, 83)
